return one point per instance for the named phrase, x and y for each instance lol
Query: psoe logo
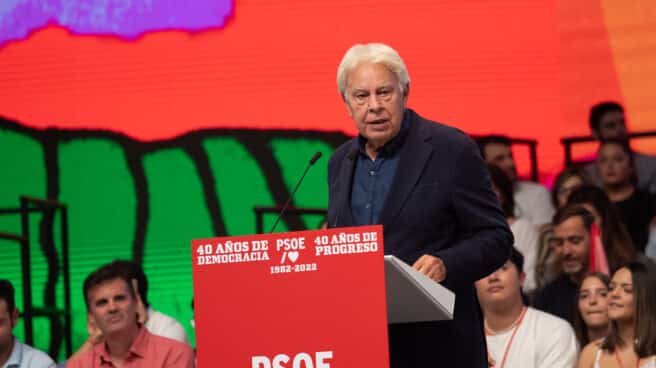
(300, 360)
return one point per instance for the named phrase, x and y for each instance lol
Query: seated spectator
(636, 208)
(607, 121)
(13, 353)
(112, 304)
(566, 181)
(591, 322)
(517, 335)
(524, 232)
(631, 340)
(614, 237)
(545, 263)
(570, 243)
(531, 199)
(155, 322)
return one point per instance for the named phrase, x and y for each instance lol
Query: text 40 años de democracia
(233, 252)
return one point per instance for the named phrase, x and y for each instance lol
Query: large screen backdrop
(161, 121)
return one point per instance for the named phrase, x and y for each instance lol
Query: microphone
(314, 159)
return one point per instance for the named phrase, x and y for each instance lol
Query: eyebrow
(595, 289)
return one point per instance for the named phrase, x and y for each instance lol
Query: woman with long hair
(631, 340)
(591, 318)
(566, 182)
(636, 208)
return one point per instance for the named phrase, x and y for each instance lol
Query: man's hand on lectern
(431, 266)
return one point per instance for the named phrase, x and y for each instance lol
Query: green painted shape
(240, 184)
(97, 186)
(23, 165)
(313, 192)
(178, 214)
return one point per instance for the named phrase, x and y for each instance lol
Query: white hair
(377, 53)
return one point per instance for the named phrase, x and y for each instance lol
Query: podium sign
(306, 299)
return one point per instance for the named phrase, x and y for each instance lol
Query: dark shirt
(559, 298)
(373, 179)
(636, 212)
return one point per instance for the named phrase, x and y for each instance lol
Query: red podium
(307, 299)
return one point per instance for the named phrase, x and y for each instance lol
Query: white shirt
(526, 241)
(650, 250)
(165, 326)
(25, 356)
(533, 203)
(542, 341)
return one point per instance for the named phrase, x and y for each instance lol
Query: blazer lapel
(414, 156)
(344, 216)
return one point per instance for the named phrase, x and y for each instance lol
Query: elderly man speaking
(427, 185)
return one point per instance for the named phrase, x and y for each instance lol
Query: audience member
(545, 263)
(607, 121)
(112, 304)
(570, 243)
(517, 335)
(614, 236)
(591, 321)
(531, 199)
(525, 233)
(636, 207)
(631, 340)
(13, 353)
(566, 181)
(155, 322)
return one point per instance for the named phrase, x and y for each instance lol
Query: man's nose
(567, 248)
(373, 102)
(494, 277)
(593, 299)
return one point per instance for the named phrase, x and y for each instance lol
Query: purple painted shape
(123, 18)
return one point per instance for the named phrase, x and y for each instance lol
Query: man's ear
(522, 278)
(406, 92)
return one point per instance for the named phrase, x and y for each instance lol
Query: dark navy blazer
(440, 203)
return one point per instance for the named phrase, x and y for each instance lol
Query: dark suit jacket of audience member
(559, 297)
(440, 203)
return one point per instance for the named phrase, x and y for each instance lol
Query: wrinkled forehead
(368, 74)
(108, 289)
(571, 226)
